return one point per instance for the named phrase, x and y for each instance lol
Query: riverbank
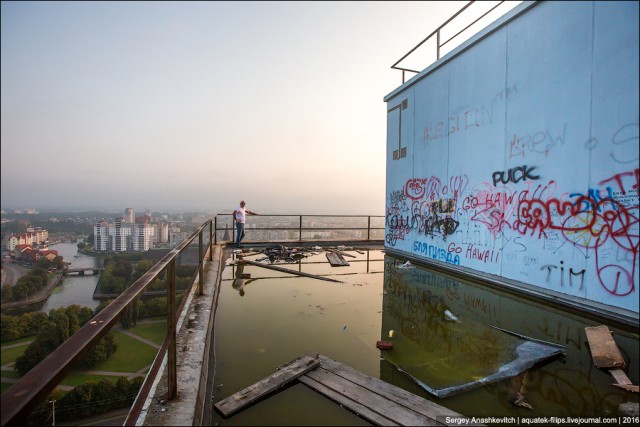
(36, 299)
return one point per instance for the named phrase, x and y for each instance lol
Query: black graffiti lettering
(515, 175)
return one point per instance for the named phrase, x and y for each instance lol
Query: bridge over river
(82, 271)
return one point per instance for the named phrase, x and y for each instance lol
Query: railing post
(438, 44)
(200, 265)
(172, 376)
(211, 240)
(300, 230)
(369, 227)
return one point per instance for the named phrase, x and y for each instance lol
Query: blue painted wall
(517, 153)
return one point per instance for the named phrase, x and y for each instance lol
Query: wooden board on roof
(336, 260)
(257, 391)
(604, 351)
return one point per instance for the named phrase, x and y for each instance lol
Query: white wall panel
(522, 153)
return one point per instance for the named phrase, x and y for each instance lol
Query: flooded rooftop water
(446, 334)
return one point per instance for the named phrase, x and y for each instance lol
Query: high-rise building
(142, 234)
(120, 236)
(101, 236)
(163, 232)
(129, 216)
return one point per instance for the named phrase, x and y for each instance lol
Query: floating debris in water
(450, 316)
(280, 253)
(391, 332)
(384, 345)
(406, 265)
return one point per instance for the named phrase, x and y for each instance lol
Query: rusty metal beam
(23, 396)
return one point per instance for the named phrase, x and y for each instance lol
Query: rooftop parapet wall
(517, 153)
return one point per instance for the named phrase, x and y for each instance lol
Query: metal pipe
(431, 35)
(300, 230)
(467, 27)
(172, 375)
(212, 236)
(200, 266)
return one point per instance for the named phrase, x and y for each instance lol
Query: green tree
(62, 324)
(33, 354)
(156, 306)
(20, 291)
(100, 352)
(141, 268)
(10, 328)
(101, 306)
(30, 323)
(7, 292)
(126, 318)
(58, 262)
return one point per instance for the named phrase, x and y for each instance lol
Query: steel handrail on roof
(23, 396)
(436, 32)
(300, 227)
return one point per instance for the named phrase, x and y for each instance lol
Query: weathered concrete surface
(193, 341)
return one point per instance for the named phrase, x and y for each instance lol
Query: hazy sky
(196, 105)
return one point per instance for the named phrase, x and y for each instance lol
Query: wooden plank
(341, 253)
(253, 393)
(629, 387)
(401, 396)
(604, 351)
(347, 392)
(362, 411)
(286, 270)
(620, 376)
(336, 260)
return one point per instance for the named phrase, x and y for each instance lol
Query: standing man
(239, 216)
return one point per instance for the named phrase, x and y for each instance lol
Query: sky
(182, 106)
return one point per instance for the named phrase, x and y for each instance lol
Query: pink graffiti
(432, 188)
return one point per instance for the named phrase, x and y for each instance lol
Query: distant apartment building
(33, 236)
(122, 236)
(129, 216)
(176, 237)
(119, 235)
(142, 235)
(101, 236)
(163, 232)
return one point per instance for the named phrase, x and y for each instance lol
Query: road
(12, 272)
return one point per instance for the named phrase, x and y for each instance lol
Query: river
(74, 289)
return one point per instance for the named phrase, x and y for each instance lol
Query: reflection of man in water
(240, 280)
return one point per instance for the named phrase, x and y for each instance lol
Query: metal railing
(437, 33)
(299, 225)
(28, 391)
(23, 396)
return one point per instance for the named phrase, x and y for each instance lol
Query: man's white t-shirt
(240, 214)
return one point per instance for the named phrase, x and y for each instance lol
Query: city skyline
(197, 105)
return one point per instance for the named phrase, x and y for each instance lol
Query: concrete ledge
(192, 347)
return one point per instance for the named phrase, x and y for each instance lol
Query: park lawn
(10, 374)
(154, 332)
(25, 340)
(131, 355)
(9, 355)
(76, 378)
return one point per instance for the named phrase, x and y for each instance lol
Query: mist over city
(184, 106)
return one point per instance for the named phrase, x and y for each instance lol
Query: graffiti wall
(517, 155)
